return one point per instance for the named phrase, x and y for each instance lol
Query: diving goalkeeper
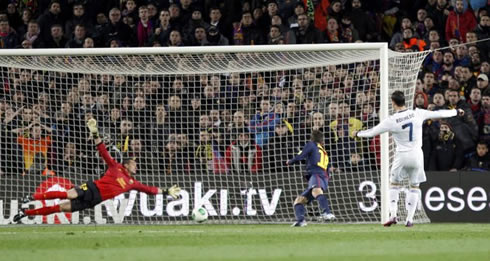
(117, 179)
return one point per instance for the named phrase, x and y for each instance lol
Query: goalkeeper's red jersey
(116, 179)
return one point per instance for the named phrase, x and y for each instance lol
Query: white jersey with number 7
(406, 127)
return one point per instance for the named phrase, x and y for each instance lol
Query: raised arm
(11, 117)
(20, 130)
(94, 132)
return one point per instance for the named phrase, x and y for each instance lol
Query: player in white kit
(405, 125)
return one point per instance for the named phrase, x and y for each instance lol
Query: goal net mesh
(220, 125)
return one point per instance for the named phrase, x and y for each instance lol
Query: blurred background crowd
(239, 122)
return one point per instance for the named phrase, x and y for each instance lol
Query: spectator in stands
(464, 128)
(34, 148)
(305, 33)
(78, 37)
(349, 33)
(263, 123)
(398, 36)
(139, 152)
(162, 28)
(482, 82)
(215, 19)
(169, 159)
(159, 128)
(334, 33)
(70, 162)
(175, 39)
(275, 36)
(144, 28)
(299, 9)
(419, 24)
(439, 11)
(56, 40)
(363, 23)
(446, 154)
(280, 148)
(117, 30)
(462, 57)
(130, 10)
(474, 102)
(430, 84)
(421, 100)
(460, 21)
(189, 30)
(204, 153)
(175, 113)
(246, 32)
(480, 160)
(33, 35)
(448, 62)
(8, 36)
(412, 42)
(214, 37)
(484, 126)
(79, 17)
(199, 36)
(88, 43)
(126, 133)
(277, 21)
(243, 156)
(344, 122)
(211, 99)
(51, 16)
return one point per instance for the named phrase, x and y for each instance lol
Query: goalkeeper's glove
(92, 126)
(173, 191)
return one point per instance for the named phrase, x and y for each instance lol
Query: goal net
(219, 122)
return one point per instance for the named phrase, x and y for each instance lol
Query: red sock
(43, 211)
(51, 195)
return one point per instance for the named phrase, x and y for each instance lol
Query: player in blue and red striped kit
(317, 176)
(117, 179)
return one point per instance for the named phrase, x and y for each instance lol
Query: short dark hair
(398, 98)
(482, 142)
(317, 136)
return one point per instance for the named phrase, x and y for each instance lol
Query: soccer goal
(218, 121)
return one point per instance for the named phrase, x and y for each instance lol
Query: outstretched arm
(378, 129)
(442, 113)
(302, 155)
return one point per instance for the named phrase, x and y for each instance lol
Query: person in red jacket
(458, 23)
(118, 178)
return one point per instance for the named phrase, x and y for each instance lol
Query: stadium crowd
(239, 122)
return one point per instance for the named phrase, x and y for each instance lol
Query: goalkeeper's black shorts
(88, 197)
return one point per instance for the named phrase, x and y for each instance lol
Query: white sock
(412, 200)
(394, 196)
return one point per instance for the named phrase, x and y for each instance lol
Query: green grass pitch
(246, 242)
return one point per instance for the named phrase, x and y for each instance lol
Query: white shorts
(408, 165)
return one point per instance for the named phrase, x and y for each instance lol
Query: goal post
(178, 111)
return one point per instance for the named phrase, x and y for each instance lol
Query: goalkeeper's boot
(19, 216)
(327, 217)
(390, 222)
(409, 224)
(27, 199)
(299, 224)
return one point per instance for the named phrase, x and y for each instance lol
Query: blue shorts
(315, 181)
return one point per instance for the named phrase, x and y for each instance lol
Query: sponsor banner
(266, 198)
(457, 196)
